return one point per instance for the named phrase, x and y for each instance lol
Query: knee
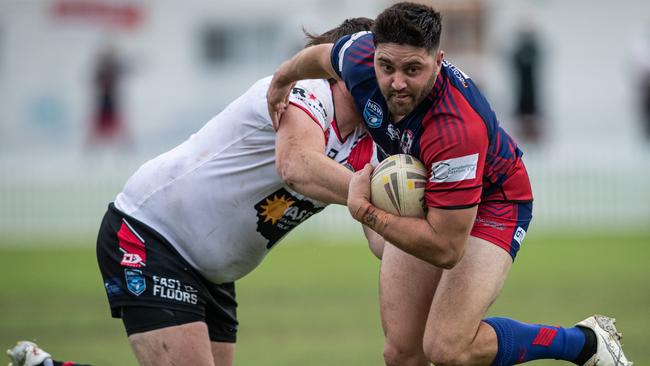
(445, 352)
(396, 354)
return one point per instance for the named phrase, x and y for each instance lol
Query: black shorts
(142, 271)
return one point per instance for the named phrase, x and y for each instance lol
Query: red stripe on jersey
(452, 121)
(309, 114)
(133, 249)
(463, 127)
(545, 337)
(361, 153)
(335, 127)
(362, 54)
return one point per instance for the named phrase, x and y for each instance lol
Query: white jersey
(217, 197)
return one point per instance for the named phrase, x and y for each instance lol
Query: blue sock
(520, 342)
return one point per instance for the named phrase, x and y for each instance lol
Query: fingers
(366, 171)
(275, 111)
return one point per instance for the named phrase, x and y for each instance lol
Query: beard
(404, 102)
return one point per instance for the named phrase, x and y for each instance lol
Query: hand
(277, 97)
(359, 192)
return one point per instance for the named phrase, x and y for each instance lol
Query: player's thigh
(223, 353)
(407, 285)
(186, 344)
(465, 293)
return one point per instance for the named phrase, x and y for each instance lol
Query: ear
(440, 55)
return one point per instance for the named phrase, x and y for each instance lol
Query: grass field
(316, 303)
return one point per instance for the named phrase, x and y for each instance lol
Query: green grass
(316, 304)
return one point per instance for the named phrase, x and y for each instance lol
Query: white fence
(50, 195)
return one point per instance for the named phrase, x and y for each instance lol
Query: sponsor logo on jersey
(135, 281)
(491, 223)
(113, 287)
(520, 234)
(455, 169)
(309, 100)
(373, 114)
(458, 73)
(407, 141)
(173, 289)
(280, 212)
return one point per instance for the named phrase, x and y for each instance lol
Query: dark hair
(410, 24)
(349, 26)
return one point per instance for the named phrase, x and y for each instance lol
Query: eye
(386, 68)
(413, 70)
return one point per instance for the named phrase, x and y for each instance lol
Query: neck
(346, 115)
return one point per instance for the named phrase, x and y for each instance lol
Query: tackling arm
(301, 163)
(310, 63)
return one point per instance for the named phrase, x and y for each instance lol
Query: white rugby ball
(397, 185)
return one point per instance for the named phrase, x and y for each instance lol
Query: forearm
(316, 176)
(413, 235)
(309, 63)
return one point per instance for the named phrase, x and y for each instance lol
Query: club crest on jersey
(392, 132)
(135, 282)
(373, 114)
(406, 141)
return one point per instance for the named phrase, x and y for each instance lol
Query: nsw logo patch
(373, 114)
(135, 282)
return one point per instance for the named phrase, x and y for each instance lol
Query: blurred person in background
(440, 274)
(108, 123)
(640, 48)
(526, 61)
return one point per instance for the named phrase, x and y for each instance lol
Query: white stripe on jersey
(347, 45)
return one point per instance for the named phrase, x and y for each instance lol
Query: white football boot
(609, 351)
(26, 353)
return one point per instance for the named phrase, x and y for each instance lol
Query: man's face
(406, 75)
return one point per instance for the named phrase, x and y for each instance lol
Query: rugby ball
(397, 185)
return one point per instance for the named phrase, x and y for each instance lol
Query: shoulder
(314, 97)
(352, 51)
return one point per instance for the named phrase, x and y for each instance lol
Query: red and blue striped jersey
(470, 159)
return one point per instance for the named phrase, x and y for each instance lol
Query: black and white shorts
(150, 286)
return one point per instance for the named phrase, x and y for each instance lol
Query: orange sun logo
(274, 208)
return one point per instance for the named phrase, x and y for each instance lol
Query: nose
(399, 82)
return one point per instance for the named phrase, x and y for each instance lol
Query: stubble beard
(402, 109)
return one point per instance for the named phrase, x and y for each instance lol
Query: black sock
(589, 349)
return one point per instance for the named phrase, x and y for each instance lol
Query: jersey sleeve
(314, 97)
(453, 150)
(352, 58)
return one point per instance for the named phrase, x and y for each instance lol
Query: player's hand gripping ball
(397, 185)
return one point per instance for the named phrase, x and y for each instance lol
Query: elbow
(449, 255)
(287, 171)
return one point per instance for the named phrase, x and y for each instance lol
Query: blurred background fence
(177, 64)
(68, 196)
